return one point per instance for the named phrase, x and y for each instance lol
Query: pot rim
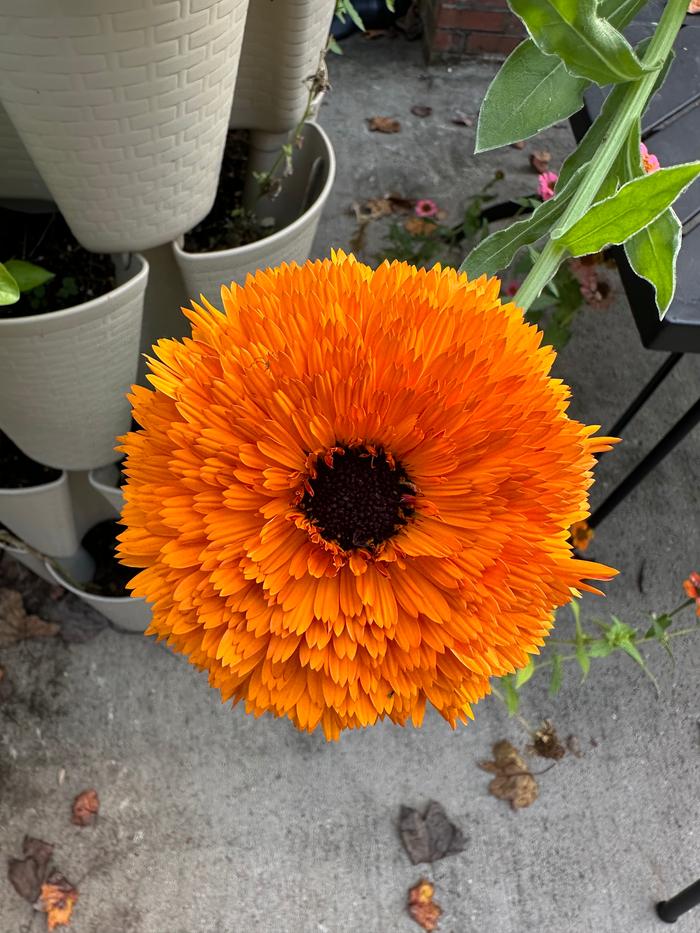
(85, 307)
(278, 235)
(90, 597)
(26, 490)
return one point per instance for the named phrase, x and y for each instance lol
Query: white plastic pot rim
(58, 320)
(92, 597)
(279, 236)
(40, 487)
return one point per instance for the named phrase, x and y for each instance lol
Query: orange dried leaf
(422, 907)
(513, 780)
(58, 898)
(86, 806)
(384, 125)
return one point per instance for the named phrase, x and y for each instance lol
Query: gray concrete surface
(213, 822)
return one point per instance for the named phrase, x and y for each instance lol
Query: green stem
(631, 108)
(521, 719)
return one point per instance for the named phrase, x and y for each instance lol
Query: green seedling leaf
(524, 674)
(510, 694)
(582, 657)
(556, 679)
(533, 90)
(9, 290)
(497, 251)
(632, 208)
(27, 275)
(588, 44)
(652, 253)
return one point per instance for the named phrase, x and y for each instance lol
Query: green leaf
(556, 679)
(347, 7)
(530, 92)
(9, 292)
(333, 46)
(589, 45)
(632, 208)
(581, 642)
(510, 694)
(533, 90)
(600, 648)
(524, 674)
(496, 252)
(27, 275)
(652, 254)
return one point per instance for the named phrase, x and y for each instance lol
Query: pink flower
(511, 288)
(545, 185)
(649, 161)
(426, 208)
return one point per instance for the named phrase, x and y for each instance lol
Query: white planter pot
(64, 375)
(282, 44)
(311, 181)
(123, 106)
(42, 516)
(78, 565)
(19, 177)
(104, 481)
(30, 562)
(126, 612)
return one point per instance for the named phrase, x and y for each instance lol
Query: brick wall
(457, 28)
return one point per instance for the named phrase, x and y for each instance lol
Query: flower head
(351, 492)
(426, 208)
(692, 588)
(649, 161)
(545, 185)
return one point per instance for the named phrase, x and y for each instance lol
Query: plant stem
(521, 719)
(631, 109)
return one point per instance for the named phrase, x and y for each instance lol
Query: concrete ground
(213, 822)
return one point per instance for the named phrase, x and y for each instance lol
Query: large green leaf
(9, 292)
(652, 254)
(632, 208)
(530, 92)
(27, 275)
(533, 90)
(497, 251)
(588, 44)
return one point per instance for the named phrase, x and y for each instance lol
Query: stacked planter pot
(116, 112)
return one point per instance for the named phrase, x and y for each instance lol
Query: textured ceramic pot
(64, 375)
(282, 45)
(42, 516)
(126, 612)
(19, 177)
(296, 211)
(123, 106)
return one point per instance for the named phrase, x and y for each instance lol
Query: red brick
(471, 19)
(446, 40)
(491, 43)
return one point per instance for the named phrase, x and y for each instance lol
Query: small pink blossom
(426, 208)
(511, 288)
(649, 161)
(545, 185)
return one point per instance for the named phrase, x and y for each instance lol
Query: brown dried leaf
(431, 836)
(547, 743)
(40, 851)
(16, 625)
(513, 780)
(58, 897)
(417, 226)
(27, 875)
(540, 159)
(422, 907)
(519, 145)
(399, 202)
(86, 806)
(421, 110)
(461, 119)
(384, 125)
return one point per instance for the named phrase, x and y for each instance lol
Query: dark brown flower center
(359, 497)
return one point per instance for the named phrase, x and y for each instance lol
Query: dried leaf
(384, 125)
(86, 806)
(461, 119)
(547, 744)
(421, 110)
(540, 159)
(431, 836)
(16, 625)
(28, 874)
(513, 780)
(520, 144)
(58, 897)
(417, 226)
(399, 202)
(422, 907)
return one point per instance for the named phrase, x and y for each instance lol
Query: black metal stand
(652, 459)
(670, 911)
(645, 394)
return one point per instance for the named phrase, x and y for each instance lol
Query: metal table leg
(669, 911)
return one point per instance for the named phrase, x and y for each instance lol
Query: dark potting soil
(110, 577)
(46, 240)
(18, 471)
(228, 224)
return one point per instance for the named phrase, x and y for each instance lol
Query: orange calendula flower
(352, 490)
(692, 588)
